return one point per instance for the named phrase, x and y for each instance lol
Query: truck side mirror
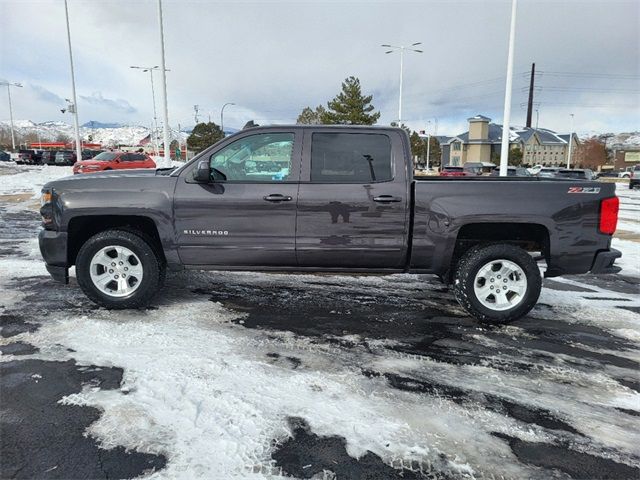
(202, 173)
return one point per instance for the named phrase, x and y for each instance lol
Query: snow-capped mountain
(95, 132)
(618, 141)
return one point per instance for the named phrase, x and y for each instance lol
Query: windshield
(105, 156)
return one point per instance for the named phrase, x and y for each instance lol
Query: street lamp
(570, 143)
(9, 85)
(222, 117)
(402, 49)
(76, 124)
(153, 98)
(163, 83)
(506, 118)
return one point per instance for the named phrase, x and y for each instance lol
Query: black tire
(469, 266)
(153, 266)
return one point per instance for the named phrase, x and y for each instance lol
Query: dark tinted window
(137, 157)
(350, 158)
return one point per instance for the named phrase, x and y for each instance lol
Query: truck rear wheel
(119, 269)
(497, 283)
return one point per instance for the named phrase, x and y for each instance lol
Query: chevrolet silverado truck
(325, 199)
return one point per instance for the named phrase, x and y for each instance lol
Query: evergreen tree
(204, 135)
(311, 117)
(350, 107)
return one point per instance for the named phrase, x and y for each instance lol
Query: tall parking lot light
(163, 83)
(73, 110)
(222, 117)
(571, 142)
(504, 150)
(9, 85)
(402, 49)
(153, 98)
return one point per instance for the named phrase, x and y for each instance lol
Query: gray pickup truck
(325, 199)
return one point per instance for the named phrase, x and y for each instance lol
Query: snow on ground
(213, 372)
(29, 179)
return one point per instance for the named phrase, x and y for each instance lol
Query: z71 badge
(584, 190)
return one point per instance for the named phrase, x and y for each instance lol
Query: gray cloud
(45, 95)
(120, 105)
(272, 58)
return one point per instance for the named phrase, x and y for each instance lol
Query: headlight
(46, 196)
(46, 207)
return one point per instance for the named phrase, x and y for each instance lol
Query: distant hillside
(107, 134)
(618, 141)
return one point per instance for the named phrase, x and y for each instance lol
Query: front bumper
(603, 263)
(53, 247)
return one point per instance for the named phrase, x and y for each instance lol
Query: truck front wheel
(497, 283)
(119, 269)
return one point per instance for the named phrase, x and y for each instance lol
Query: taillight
(609, 215)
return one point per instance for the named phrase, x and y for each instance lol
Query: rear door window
(351, 158)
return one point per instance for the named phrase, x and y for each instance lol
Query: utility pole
(570, 143)
(163, 82)
(504, 150)
(530, 103)
(9, 85)
(195, 113)
(74, 107)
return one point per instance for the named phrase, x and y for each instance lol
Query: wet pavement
(553, 395)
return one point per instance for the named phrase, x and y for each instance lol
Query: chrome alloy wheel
(116, 271)
(500, 285)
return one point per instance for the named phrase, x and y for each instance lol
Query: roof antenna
(250, 124)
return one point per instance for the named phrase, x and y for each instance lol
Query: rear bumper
(604, 261)
(53, 248)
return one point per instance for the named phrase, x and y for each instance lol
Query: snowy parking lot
(245, 375)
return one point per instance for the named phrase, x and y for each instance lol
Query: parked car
(512, 172)
(5, 156)
(608, 174)
(626, 173)
(452, 172)
(66, 157)
(478, 168)
(577, 173)
(634, 179)
(27, 157)
(548, 172)
(49, 157)
(114, 161)
(347, 203)
(89, 154)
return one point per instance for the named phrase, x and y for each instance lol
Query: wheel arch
(81, 228)
(532, 237)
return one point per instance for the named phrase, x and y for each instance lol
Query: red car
(453, 172)
(114, 161)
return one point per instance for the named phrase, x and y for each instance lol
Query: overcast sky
(274, 58)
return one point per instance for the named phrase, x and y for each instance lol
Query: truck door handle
(386, 199)
(276, 197)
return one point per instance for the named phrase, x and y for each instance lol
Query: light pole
(74, 107)
(570, 142)
(9, 85)
(222, 117)
(153, 98)
(163, 83)
(402, 49)
(504, 150)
